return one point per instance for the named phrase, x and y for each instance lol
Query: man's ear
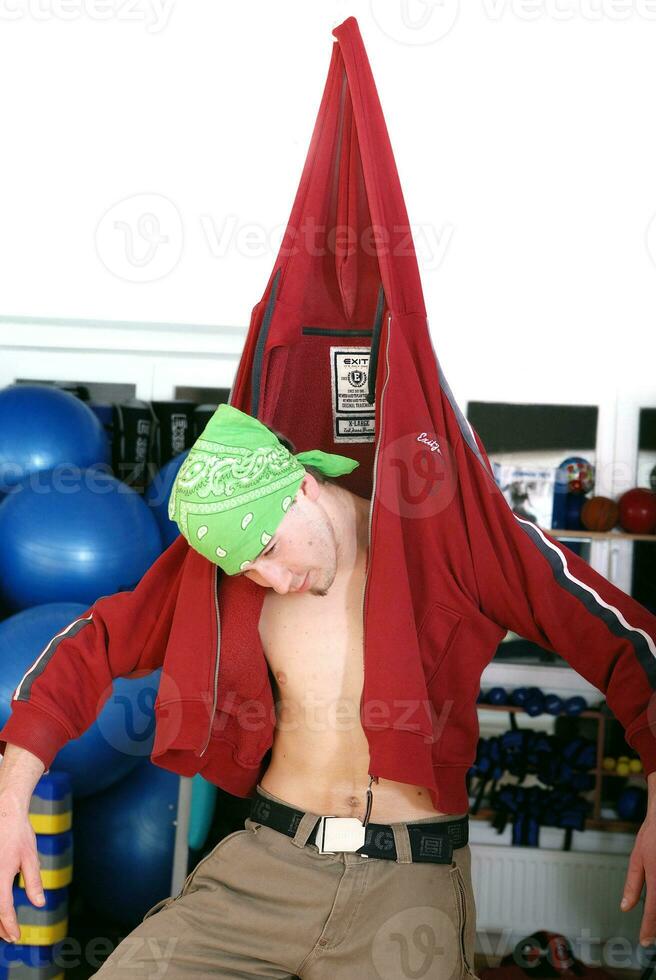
(310, 487)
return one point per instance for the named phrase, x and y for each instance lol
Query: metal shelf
(558, 532)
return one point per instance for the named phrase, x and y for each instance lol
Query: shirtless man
(313, 642)
(389, 894)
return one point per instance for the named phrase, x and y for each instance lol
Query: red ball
(638, 511)
(599, 514)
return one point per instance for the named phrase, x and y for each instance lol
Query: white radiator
(519, 890)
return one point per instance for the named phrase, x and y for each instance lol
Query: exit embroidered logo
(433, 444)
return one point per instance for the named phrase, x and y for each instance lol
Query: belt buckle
(339, 834)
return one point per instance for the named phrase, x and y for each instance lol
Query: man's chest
(314, 644)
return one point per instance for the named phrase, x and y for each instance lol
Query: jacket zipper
(218, 654)
(366, 577)
(371, 513)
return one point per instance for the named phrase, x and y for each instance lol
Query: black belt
(429, 842)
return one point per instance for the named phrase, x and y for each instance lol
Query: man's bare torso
(320, 755)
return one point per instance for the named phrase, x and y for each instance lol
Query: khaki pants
(262, 904)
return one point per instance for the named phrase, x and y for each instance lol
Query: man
(313, 648)
(347, 862)
(292, 895)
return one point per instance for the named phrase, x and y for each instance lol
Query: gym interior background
(152, 154)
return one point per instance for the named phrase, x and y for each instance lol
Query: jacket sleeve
(532, 584)
(64, 689)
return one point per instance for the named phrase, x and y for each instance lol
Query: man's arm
(61, 694)
(65, 688)
(20, 771)
(532, 584)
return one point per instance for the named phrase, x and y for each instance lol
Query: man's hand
(19, 773)
(17, 853)
(642, 869)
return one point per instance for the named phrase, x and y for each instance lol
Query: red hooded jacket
(339, 357)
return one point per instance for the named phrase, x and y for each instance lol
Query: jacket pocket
(435, 637)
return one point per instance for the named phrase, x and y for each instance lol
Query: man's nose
(280, 579)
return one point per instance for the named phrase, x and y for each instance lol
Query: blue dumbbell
(518, 696)
(534, 704)
(575, 705)
(553, 704)
(497, 695)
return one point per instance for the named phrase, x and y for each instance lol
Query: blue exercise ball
(42, 427)
(74, 539)
(119, 739)
(122, 734)
(123, 843)
(157, 496)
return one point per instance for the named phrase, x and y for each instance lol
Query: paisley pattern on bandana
(215, 470)
(236, 486)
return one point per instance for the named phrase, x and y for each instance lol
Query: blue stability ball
(157, 497)
(42, 427)
(74, 539)
(123, 844)
(120, 738)
(122, 734)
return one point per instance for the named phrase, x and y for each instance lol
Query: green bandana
(236, 485)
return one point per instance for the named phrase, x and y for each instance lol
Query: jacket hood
(338, 354)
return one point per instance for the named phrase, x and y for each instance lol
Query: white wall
(524, 137)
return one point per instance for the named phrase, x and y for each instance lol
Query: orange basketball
(600, 514)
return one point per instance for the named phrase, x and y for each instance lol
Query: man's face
(304, 545)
